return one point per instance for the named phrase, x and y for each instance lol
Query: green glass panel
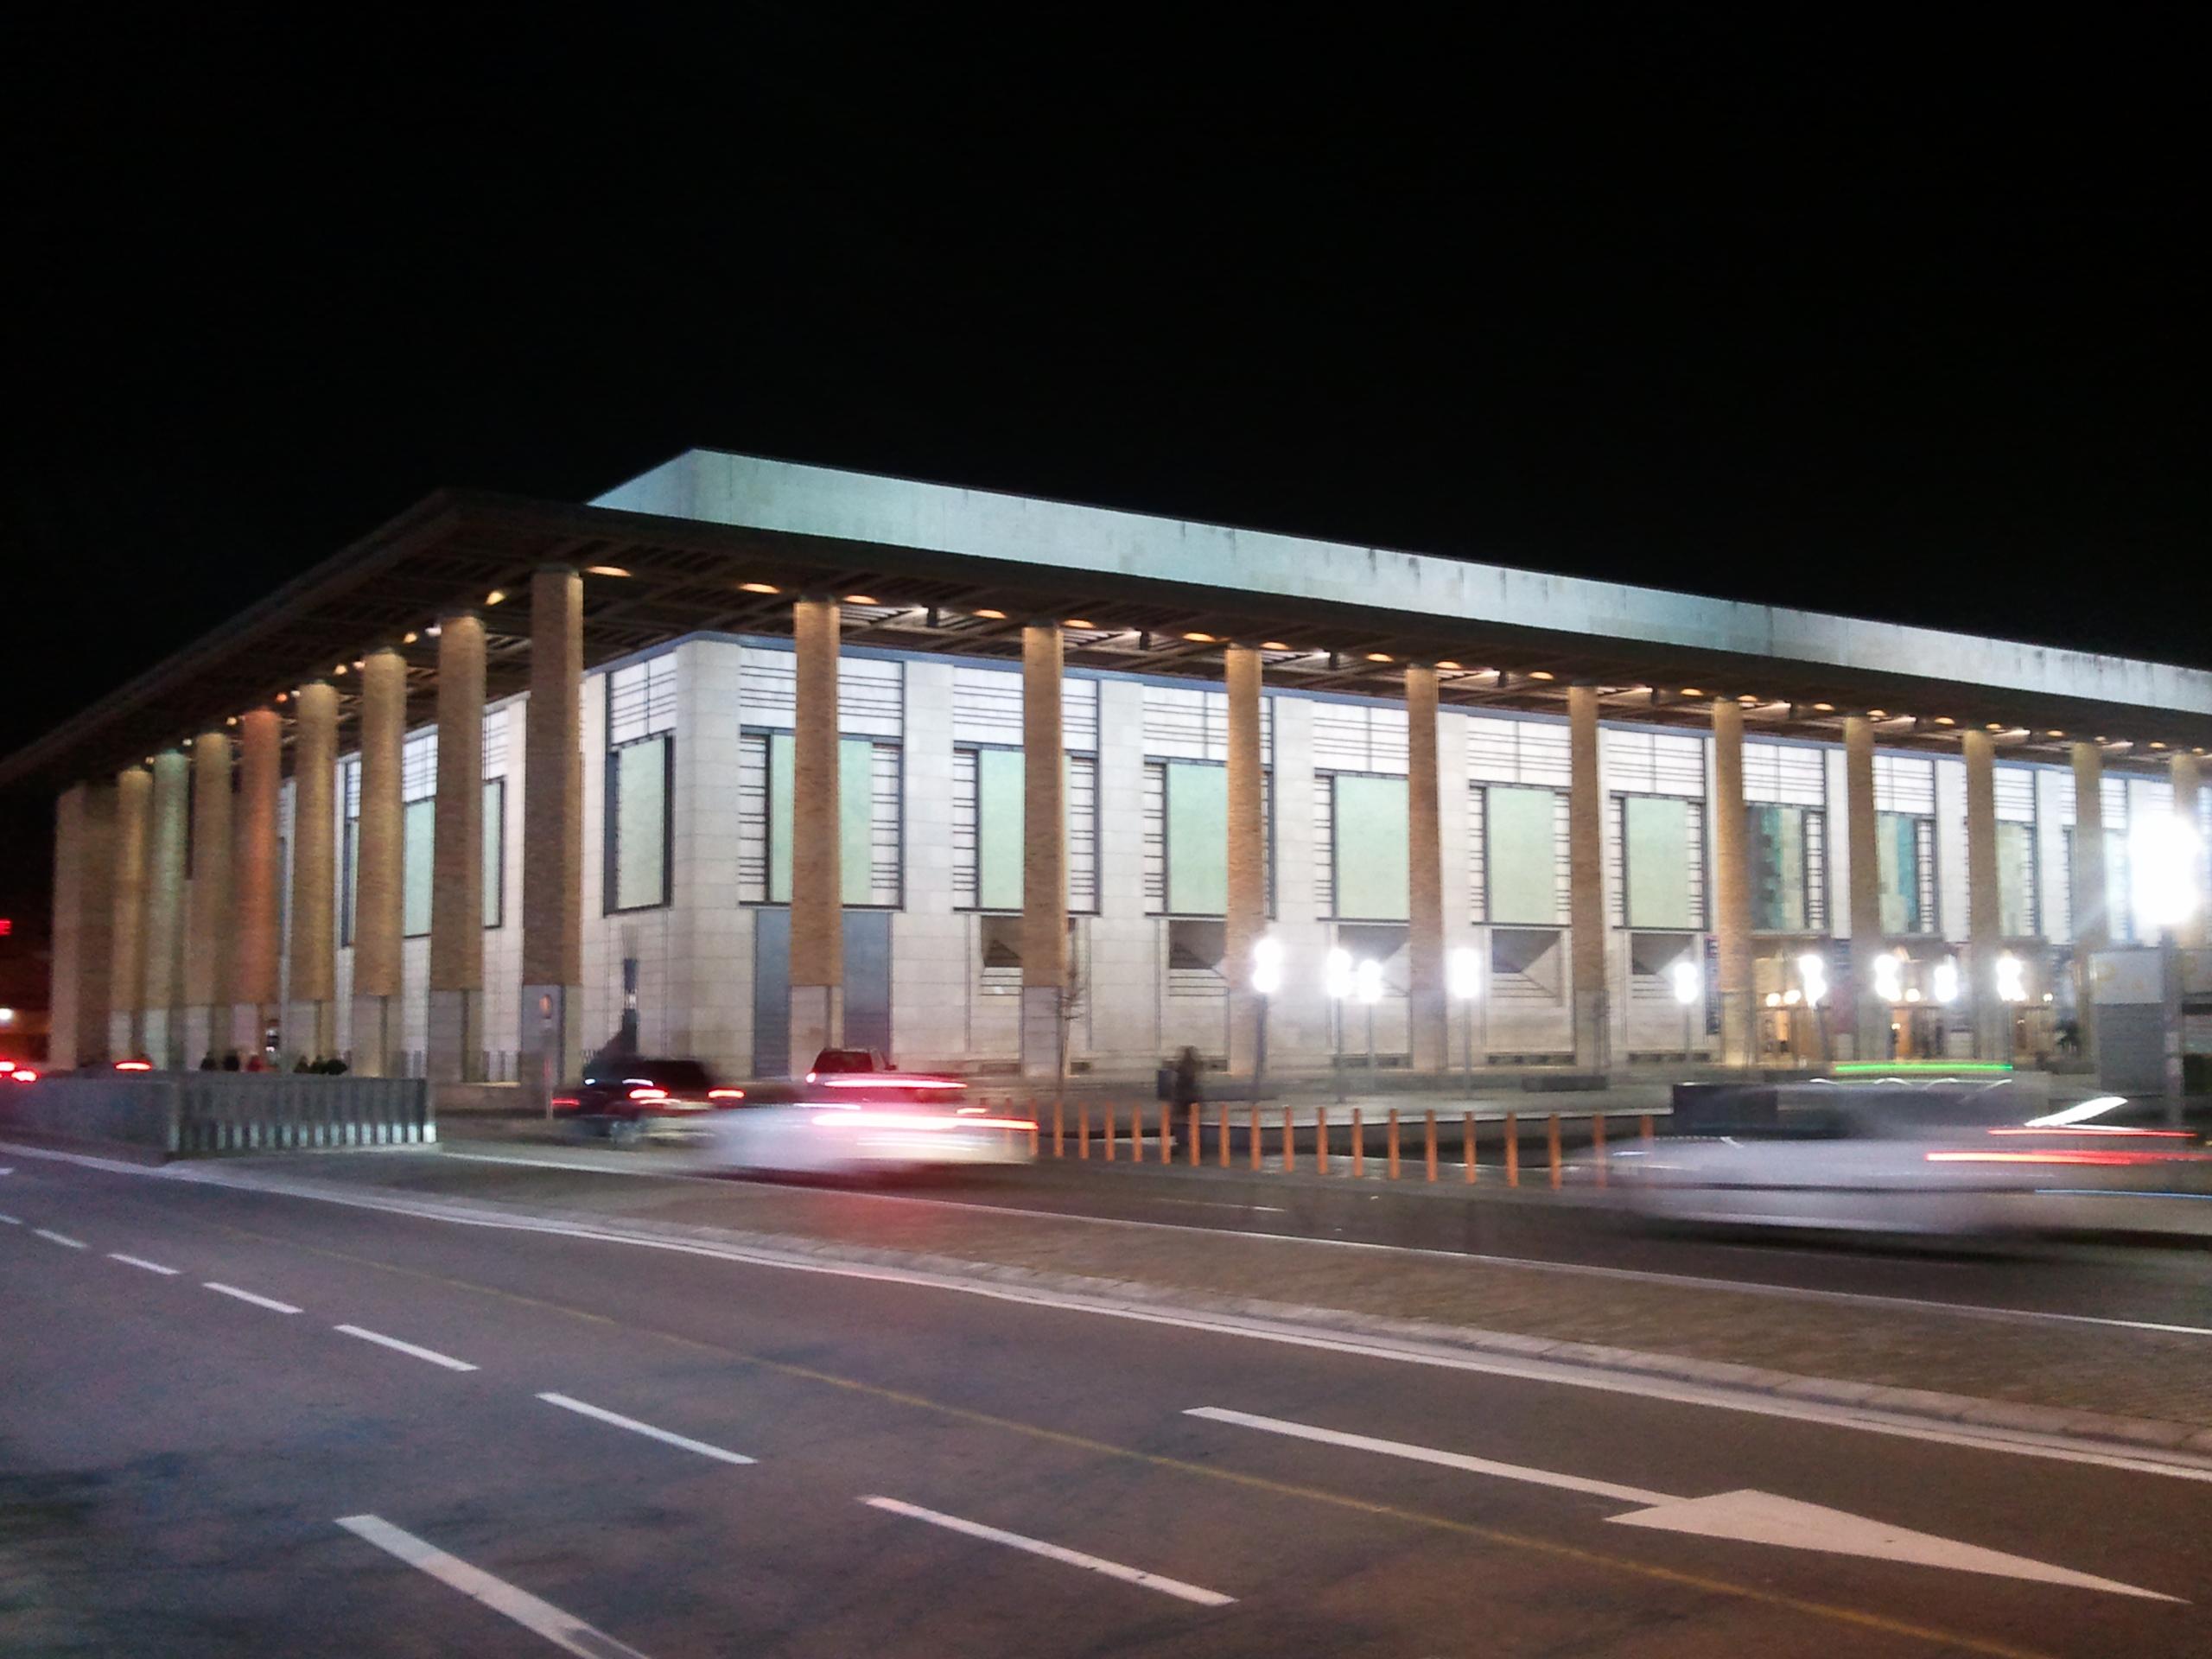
(1523, 851)
(495, 841)
(1369, 837)
(2016, 863)
(998, 829)
(1777, 838)
(1657, 844)
(1897, 851)
(1197, 839)
(641, 825)
(855, 818)
(352, 878)
(781, 773)
(417, 832)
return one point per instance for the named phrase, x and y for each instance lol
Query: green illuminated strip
(1915, 1068)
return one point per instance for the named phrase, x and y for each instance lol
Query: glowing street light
(1266, 980)
(1367, 985)
(1687, 981)
(2011, 979)
(1463, 978)
(1888, 976)
(2165, 861)
(1947, 980)
(1337, 982)
(1813, 976)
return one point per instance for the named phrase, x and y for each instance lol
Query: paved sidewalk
(1895, 1356)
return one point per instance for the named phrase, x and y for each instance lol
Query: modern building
(757, 755)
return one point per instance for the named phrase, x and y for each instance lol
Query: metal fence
(217, 1112)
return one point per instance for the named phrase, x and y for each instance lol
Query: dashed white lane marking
(272, 1305)
(60, 1238)
(1430, 1454)
(647, 1429)
(397, 1347)
(1054, 1552)
(563, 1630)
(141, 1261)
(12, 1221)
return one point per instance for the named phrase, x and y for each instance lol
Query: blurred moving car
(1939, 1157)
(856, 1113)
(630, 1099)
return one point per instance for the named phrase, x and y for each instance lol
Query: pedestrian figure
(300, 1066)
(1187, 1067)
(230, 1060)
(207, 1061)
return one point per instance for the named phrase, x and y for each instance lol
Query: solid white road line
(394, 1343)
(60, 1238)
(1054, 1552)
(141, 1261)
(248, 1296)
(647, 1429)
(1430, 1454)
(564, 1631)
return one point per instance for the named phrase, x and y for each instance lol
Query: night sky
(1898, 325)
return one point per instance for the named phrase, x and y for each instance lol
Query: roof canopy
(715, 543)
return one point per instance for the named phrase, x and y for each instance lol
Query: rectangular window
(1904, 845)
(418, 789)
(1523, 844)
(1083, 833)
(869, 820)
(1789, 868)
(1661, 843)
(1477, 856)
(1367, 823)
(350, 877)
(2016, 880)
(1198, 838)
(637, 785)
(495, 851)
(990, 806)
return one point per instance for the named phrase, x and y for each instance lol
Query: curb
(2110, 1432)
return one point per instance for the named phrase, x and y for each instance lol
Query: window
(870, 819)
(2018, 904)
(495, 851)
(1527, 967)
(640, 774)
(989, 790)
(1524, 854)
(1658, 853)
(1904, 845)
(418, 791)
(349, 783)
(1788, 859)
(1195, 950)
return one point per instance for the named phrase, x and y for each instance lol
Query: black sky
(1895, 323)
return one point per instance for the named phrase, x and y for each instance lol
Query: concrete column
(84, 925)
(817, 951)
(1586, 850)
(1985, 922)
(2091, 914)
(1247, 917)
(456, 1042)
(134, 800)
(257, 866)
(311, 1024)
(1871, 1017)
(2191, 933)
(162, 1005)
(551, 1041)
(379, 875)
(1044, 852)
(1731, 886)
(1428, 1015)
(209, 942)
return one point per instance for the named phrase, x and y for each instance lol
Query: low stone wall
(215, 1112)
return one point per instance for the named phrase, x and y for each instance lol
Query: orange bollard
(1035, 1128)
(1391, 1141)
(1195, 1123)
(1428, 1141)
(1598, 1145)
(1083, 1132)
(1289, 1143)
(1643, 1129)
(1223, 1147)
(1167, 1133)
(1513, 1149)
(1059, 1129)
(1252, 1151)
(1112, 1127)
(1358, 1143)
(1321, 1140)
(1467, 1146)
(1551, 1143)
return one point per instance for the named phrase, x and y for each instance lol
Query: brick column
(1732, 885)
(1985, 923)
(162, 1006)
(379, 874)
(84, 925)
(1427, 1016)
(2092, 919)
(552, 1040)
(209, 942)
(1585, 848)
(1044, 852)
(456, 1014)
(1871, 1017)
(134, 800)
(1247, 919)
(2191, 933)
(257, 868)
(310, 1024)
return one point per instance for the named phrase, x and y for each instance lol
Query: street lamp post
(1688, 982)
(1266, 980)
(1462, 977)
(1337, 982)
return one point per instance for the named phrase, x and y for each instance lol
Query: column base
(1592, 1037)
(164, 1040)
(818, 1022)
(455, 1051)
(376, 1036)
(310, 1030)
(1244, 1032)
(1428, 1033)
(1041, 1030)
(549, 1051)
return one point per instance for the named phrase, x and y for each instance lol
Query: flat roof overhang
(684, 576)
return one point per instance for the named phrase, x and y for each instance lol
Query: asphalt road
(210, 1444)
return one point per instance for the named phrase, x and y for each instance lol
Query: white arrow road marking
(1763, 1518)
(1167, 1586)
(1752, 1517)
(563, 1630)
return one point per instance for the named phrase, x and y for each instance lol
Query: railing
(217, 1112)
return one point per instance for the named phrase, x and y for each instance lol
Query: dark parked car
(629, 1099)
